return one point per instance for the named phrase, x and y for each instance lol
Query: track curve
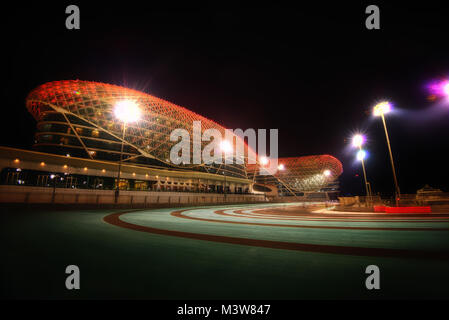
(291, 218)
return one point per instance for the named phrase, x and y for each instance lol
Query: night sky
(313, 72)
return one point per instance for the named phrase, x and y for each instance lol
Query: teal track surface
(223, 252)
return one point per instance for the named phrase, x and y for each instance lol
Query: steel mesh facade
(88, 106)
(78, 115)
(307, 173)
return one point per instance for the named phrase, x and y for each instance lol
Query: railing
(20, 194)
(151, 189)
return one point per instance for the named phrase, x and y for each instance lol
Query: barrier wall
(406, 200)
(422, 209)
(20, 194)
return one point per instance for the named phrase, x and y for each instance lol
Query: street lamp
(446, 88)
(380, 110)
(357, 141)
(225, 147)
(126, 111)
(361, 155)
(54, 177)
(263, 160)
(439, 88)
(281, 167)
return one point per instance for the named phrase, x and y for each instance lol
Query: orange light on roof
(42, 163)
(16, 160)
(65, 166)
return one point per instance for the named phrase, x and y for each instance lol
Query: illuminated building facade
(75, 119)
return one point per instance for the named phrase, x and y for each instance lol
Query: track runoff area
(257, 251)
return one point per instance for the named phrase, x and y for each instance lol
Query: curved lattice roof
(309, 173)
(93, 103)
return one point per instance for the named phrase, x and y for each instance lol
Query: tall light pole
(361, 155)
(357, 141)
(54, 177)
(380, 110)
(225, 147)
(281, 167)
(126, 111)
(327, 174)
(263, 162)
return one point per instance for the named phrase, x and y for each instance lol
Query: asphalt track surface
(269, 251)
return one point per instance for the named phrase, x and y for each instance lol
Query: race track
(288, 230)
(258, 251)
